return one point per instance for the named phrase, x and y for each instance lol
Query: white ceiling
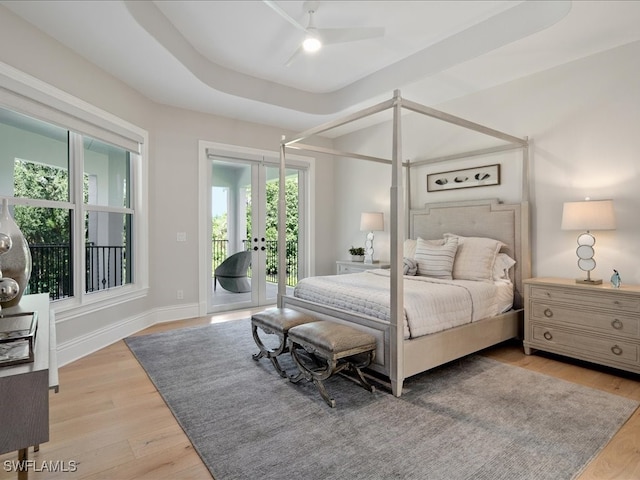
(228, 57)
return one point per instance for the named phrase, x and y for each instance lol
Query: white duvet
(430, 304)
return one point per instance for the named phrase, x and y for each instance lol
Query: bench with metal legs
(330, 348)
(276, 321)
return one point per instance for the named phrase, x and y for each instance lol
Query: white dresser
(599, 324)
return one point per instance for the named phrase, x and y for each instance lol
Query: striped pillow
(435, 259)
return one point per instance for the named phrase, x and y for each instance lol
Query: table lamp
(588, 215)
(370, 222)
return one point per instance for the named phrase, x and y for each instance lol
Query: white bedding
(430, 304)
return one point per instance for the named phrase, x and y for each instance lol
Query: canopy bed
(477, 310)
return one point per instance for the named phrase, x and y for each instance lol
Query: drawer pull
(548, 336)
(548, 313)
(616, 350)
(617, 324)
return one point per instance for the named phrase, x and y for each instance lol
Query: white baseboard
(82, 346)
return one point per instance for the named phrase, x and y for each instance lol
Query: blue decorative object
(616, 281)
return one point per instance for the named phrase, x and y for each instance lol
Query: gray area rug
(472, 419)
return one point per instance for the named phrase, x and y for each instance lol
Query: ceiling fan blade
(343, 35)
(276, 8)
(293, 56)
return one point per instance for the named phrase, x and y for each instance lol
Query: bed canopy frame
(398, 214)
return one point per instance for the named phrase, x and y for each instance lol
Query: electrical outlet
(181, 237)
(180, 294)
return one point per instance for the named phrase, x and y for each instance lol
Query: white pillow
(502, 266)
(475, 257)
(435, 258)
(409, 248)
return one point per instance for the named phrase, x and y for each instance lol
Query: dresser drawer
(609, 322)
(560, 340)
(604, 300)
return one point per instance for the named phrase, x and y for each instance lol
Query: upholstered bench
(332, 347)
(276, 321)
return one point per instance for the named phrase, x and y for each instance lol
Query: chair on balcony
(232, 273)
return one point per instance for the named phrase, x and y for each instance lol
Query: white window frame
(27, 95)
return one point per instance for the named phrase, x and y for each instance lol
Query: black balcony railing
(220, 247)
(106, 266)
(52, 267)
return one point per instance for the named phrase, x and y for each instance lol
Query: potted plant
(357, 254)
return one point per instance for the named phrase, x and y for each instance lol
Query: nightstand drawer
(606, 321)
(344, 266)
(350, 269)
(587, 298)
(614, 350)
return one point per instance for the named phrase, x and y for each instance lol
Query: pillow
(475, 257)
(435, 258)
(410, 266)
(409, 248)
(502, 266)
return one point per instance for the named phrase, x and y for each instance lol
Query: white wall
(173, 185)
(174, 191)
(583, 121)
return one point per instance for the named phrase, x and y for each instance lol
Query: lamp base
(588, 281)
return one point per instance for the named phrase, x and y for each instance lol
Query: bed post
(407, 203)
(525, 171)
(525, 222)
(396, 334)
(282, 228)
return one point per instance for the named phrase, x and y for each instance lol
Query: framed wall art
(468, 177)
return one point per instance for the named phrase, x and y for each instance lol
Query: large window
(71, 197)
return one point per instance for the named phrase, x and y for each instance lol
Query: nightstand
(596, 323)
(345, 266)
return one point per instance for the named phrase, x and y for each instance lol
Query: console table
(24, 388)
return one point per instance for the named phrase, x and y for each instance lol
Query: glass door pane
(292, 193)
(233, 280)
(271, 233)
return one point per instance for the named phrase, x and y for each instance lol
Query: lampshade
(371, 221)
(588, 215)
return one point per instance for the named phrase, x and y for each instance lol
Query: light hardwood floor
(109, 422)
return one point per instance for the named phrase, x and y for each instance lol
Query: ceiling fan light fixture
(311, 44)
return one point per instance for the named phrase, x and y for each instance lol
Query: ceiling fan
(315, 38)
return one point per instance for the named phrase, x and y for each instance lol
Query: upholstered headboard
(508, 223)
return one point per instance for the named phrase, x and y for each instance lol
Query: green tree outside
(218, 232)
(271, 226)
(219, 226)
(42, 225)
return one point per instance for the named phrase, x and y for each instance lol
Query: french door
(244, 216)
